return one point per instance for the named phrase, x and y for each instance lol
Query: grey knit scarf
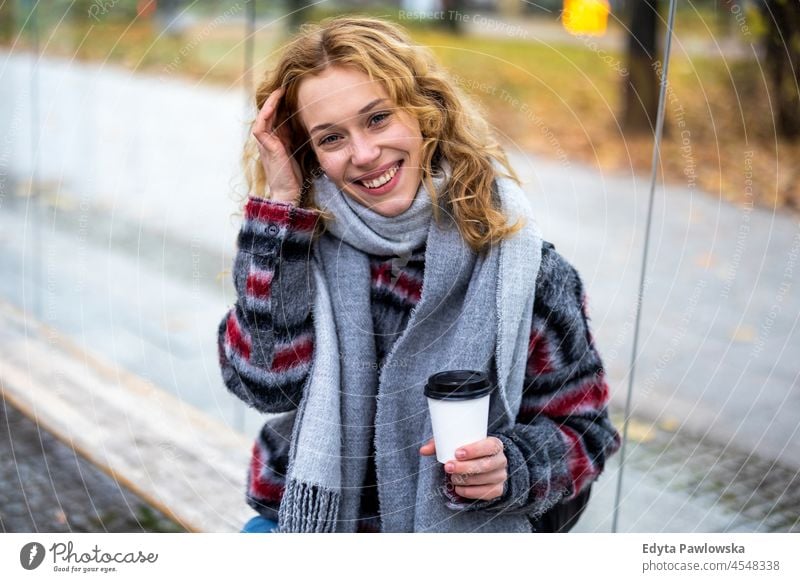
(474, 313)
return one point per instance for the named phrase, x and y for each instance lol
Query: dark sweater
(266, 344)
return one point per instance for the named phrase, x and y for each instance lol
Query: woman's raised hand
(282, 170)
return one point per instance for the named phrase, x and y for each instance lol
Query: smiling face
(370, 149)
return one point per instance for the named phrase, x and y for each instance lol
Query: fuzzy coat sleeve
(563, 435)
(266, 340)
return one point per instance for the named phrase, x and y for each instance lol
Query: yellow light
(585, 16)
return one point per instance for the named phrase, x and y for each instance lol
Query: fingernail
(461, 453)
(449, 467)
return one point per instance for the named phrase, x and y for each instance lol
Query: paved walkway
(551, 32)
(46, 487)
(678, 482)
(673, 484)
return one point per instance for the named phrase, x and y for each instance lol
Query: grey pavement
(45, 487)
(678, 482)
(551, 32)
(129, 255)
(719, 329)
(545, 29)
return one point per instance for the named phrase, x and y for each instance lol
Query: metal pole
(640, 296)
(35, 201)
(249, 49)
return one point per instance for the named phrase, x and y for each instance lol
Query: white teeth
(378, 182)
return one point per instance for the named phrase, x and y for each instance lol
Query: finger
(265, 119)
(477, 466)
(284, 132)
(428, 448)
(267, 147)
(260, 125)
(490, 478)
(269, 143)
(484, 492)
(482, 448)
(270, 120)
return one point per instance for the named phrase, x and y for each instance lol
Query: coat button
(273, 230)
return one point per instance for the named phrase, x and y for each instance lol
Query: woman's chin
(392, 208)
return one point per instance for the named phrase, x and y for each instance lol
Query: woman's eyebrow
(361, 111)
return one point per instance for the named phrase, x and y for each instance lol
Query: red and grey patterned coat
(562, 437)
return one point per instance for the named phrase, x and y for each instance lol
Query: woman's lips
(386, 187)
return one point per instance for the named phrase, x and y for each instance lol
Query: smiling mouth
(379, 182)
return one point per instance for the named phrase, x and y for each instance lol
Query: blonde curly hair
(451, 124)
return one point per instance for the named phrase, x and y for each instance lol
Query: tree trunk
(453, 15)
(298, 12)
(644, 68)
(783, 62)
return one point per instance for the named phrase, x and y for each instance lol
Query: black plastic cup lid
(458, 385)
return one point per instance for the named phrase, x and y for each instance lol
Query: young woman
(386, 239)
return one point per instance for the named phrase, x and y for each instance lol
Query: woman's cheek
(332, 162)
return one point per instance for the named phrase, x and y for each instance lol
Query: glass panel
(121, 190)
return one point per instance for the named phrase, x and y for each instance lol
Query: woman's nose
(364, 151)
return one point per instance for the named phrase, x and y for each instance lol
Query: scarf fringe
(308, 508)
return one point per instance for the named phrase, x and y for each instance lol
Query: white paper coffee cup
(458, 401)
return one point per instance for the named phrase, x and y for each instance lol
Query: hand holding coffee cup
(458, 401)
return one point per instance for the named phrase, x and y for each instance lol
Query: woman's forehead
(337, 95)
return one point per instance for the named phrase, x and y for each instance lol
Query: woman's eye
(325, 141)
(382, 116)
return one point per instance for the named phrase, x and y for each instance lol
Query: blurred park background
(122, 126)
